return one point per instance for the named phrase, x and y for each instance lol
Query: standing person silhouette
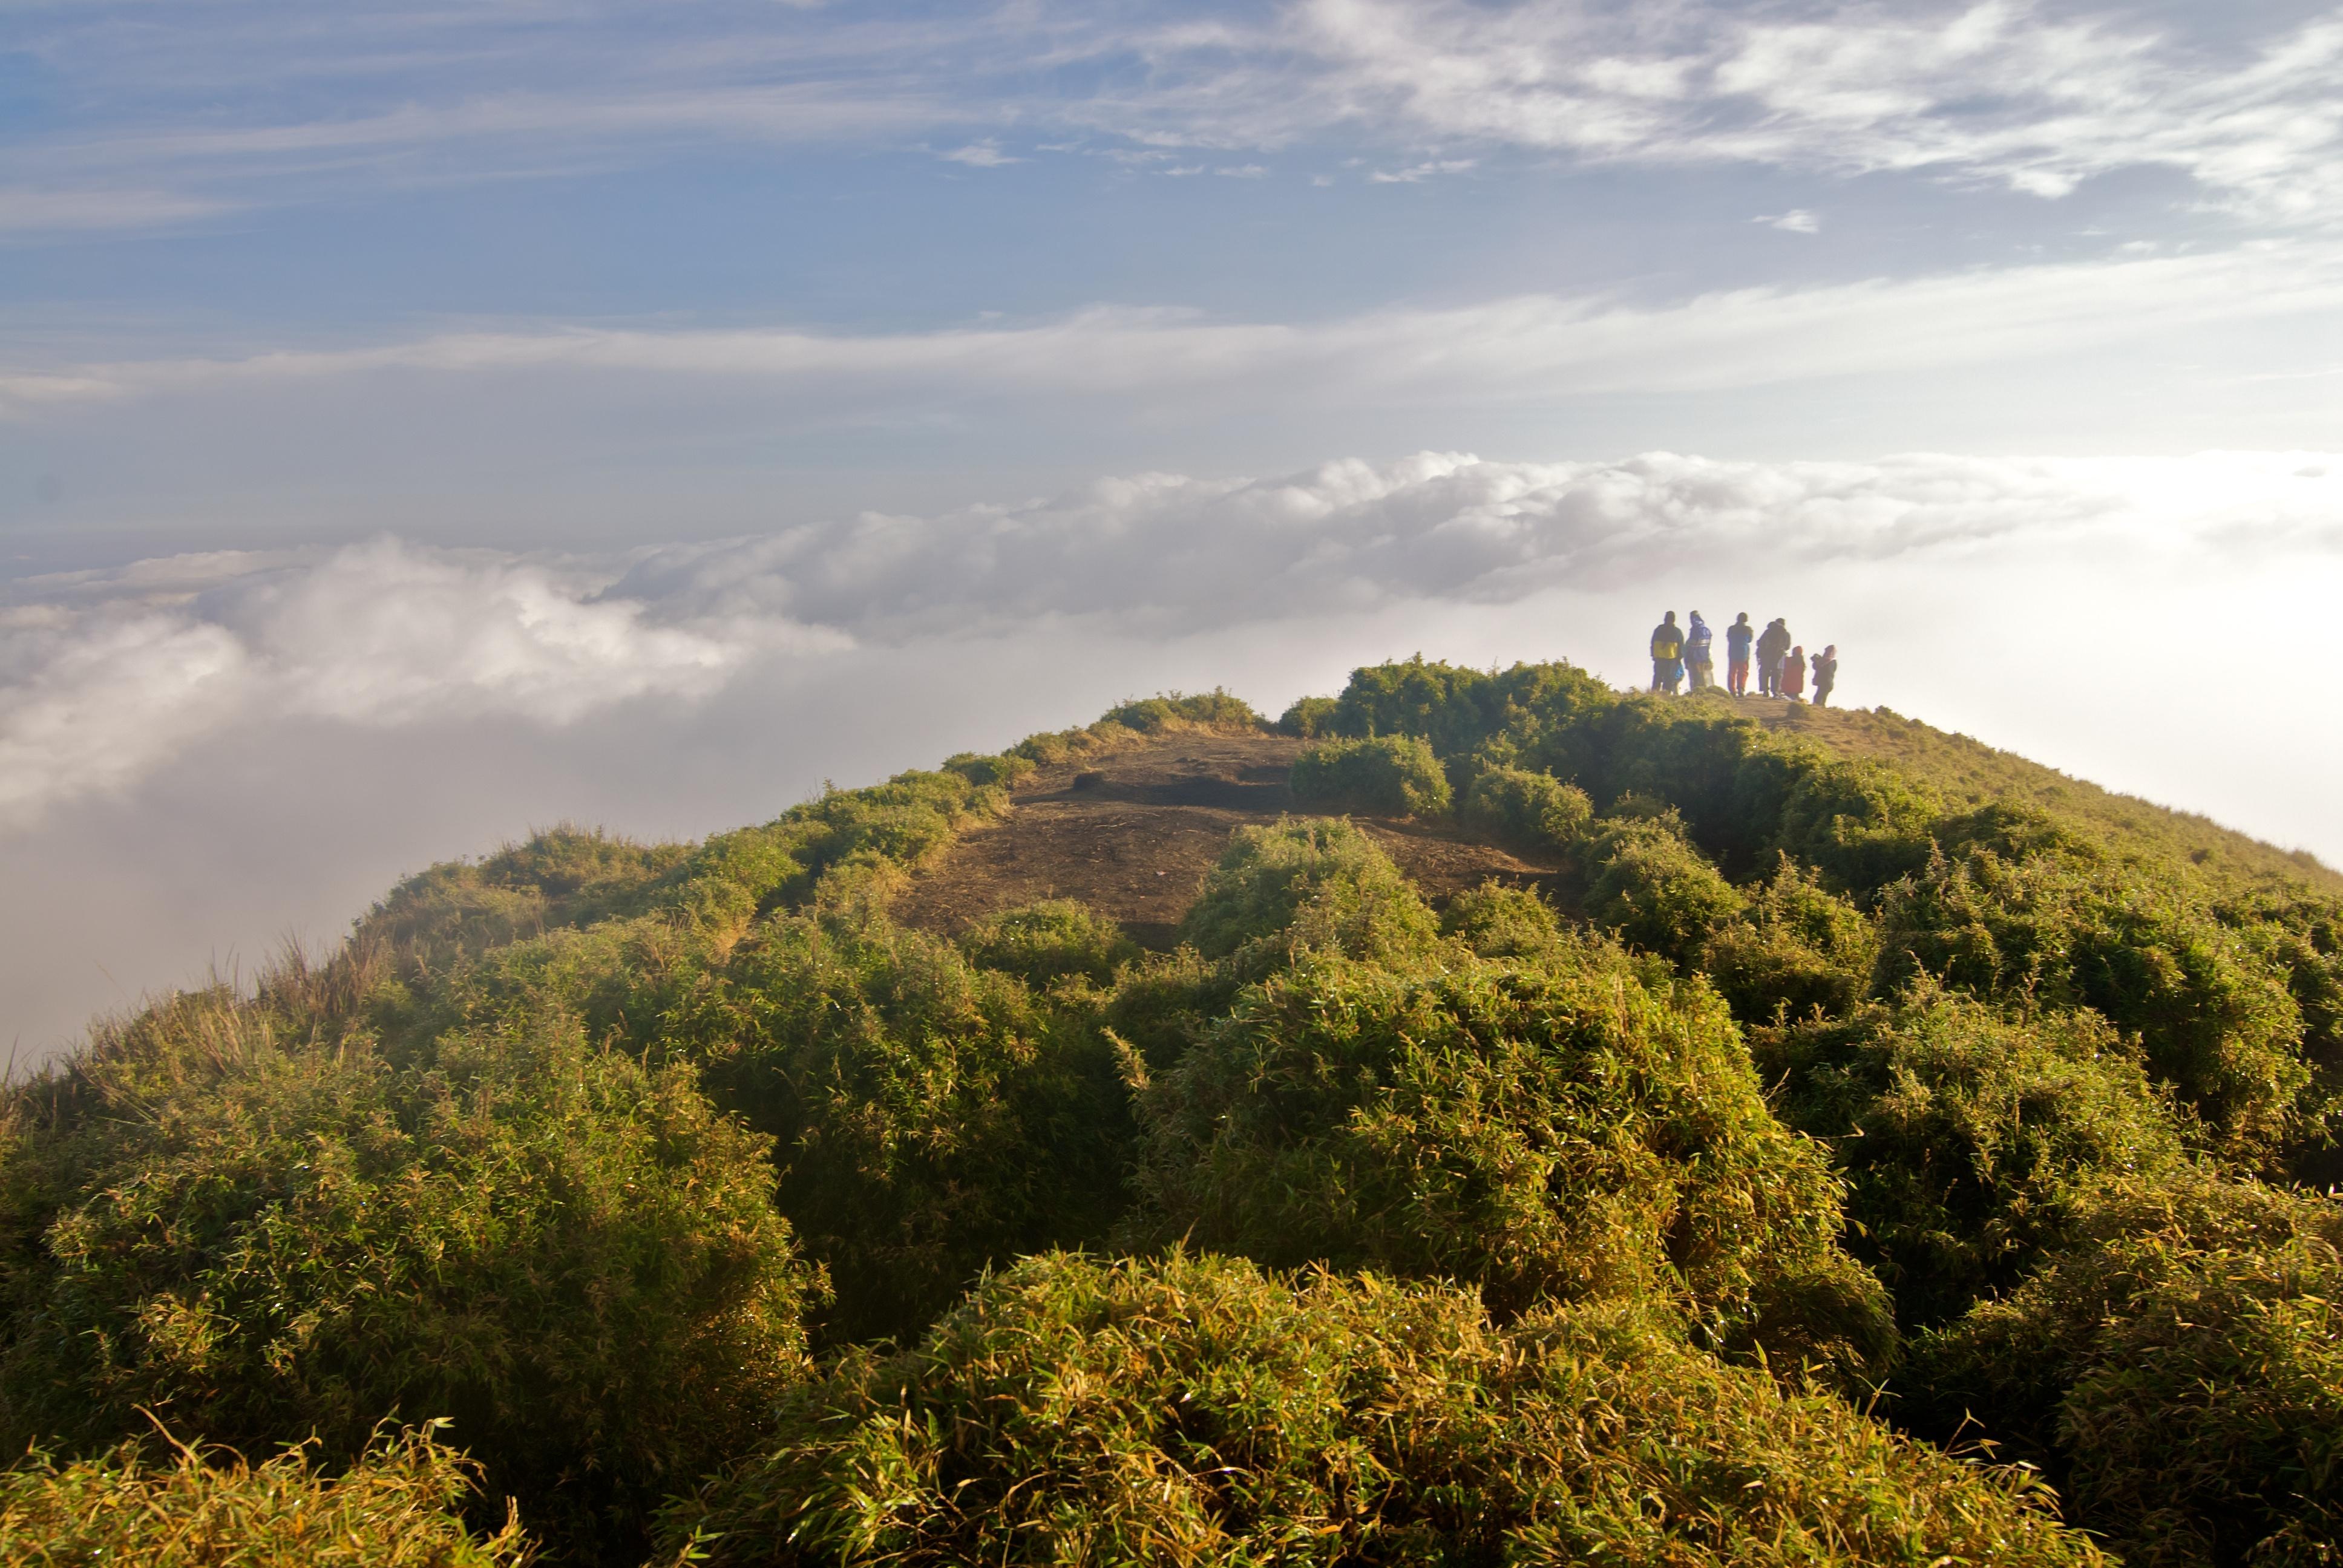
(1794, 674)
(1698, 662)
(1825, 675)
(1667, 653)
(1772, 644)
(1737, 638)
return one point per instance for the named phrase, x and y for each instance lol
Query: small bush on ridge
(1796, 951)
(1052, 939)
(1533, 812)
(1388, 776)
(1656, 892)
(1304, 884)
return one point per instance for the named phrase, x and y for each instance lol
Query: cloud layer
(2003, 90)
(104, 677)
(2034, 96)
(1527, 345)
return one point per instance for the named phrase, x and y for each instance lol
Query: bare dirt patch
(1132, 834)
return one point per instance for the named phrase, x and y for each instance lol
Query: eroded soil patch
(1132, 834)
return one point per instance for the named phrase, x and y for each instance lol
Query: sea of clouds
(202, 755)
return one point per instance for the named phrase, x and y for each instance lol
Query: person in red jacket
(1793, 674)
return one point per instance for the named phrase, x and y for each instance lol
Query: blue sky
(412, 409)
(2020, 190)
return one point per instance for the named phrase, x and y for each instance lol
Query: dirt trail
(1132, 834)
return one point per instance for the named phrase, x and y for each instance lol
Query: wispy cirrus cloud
(36, 210)
(2032, 96)
(2003, 91)
(1505, 348)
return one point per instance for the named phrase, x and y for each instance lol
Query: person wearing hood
(1792, 678)
(1737, 638)
(1772, 644)
(1667, 653)
(1698, 662)
(1825, 671)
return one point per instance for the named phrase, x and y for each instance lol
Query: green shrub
(1539, 707)
(1388, 776)
(564, 876)
(1213, 709)
(1533, 812)
(1050, 941)
(1499, 921)
(1796, 951)
(568, 1254)
(395, 1507)
(1160, 1002)
(1656, 892)
(1310, 717)
(1860, 824)
(2181, 1365)
(1305, 884)
(1546, 1133)
(2214, 1016)
(932, 1117)
(1194, 1410)
(1963, 1134)
(2301, 938)
(1004, 770)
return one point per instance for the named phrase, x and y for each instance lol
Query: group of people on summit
(1782, 664)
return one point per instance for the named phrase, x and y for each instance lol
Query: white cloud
(1797, 220)
(35, 210)
(1416, 173)
(106, 677)
(2007, 91)
(1999, 90)
(983, 155)
(1535, 345)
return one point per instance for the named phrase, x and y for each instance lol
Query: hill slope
(1484, 1116)
(1968, 769)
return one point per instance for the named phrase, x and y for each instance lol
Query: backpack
(1667, 645)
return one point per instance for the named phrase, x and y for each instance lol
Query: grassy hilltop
(1481, 1117)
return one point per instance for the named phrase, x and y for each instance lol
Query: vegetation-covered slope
(1825, 1108)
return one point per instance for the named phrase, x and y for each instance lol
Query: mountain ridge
(1755, 1107)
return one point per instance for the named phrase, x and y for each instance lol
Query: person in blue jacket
(1699, 663)
(1737, 638)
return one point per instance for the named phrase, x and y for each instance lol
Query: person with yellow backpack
(1668, 655)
